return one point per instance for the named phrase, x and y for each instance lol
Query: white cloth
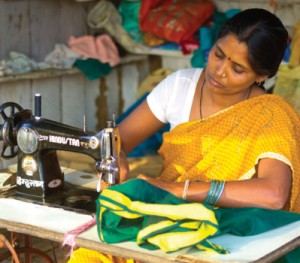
(19, 63)
(171, 100)
(61, 57)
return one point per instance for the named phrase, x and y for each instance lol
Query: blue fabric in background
(152, 144)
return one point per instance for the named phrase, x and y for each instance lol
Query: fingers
(142, 176)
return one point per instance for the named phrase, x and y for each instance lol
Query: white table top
(30, 218)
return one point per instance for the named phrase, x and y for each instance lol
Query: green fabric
(93, 68)
(129, 11)
(252, 221)
(114, 228)
(168, 218)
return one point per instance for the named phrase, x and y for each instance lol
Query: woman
(231, 144)
(224, 125)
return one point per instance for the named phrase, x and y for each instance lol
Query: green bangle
(215, 191)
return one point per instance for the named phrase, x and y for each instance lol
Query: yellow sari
(229, 144)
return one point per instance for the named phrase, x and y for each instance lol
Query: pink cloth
(70, 236)
(101, 47)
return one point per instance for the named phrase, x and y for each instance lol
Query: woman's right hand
(124, 167)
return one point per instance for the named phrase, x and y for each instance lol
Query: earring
(224, 75)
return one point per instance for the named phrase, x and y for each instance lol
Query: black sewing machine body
(39, 172)
(35, 141)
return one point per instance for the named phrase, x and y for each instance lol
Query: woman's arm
(271, 188)
(138, 126)
(134, 129)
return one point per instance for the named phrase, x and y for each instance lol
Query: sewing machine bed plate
(78, 194)
(71, 198)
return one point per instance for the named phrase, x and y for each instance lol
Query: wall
(33, 27)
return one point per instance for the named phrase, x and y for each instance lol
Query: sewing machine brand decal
(29, 165)
(29, 183)
(64, 140)
(43, 137)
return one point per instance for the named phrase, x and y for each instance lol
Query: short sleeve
(171, 100)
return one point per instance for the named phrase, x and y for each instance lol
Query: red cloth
(174, 20)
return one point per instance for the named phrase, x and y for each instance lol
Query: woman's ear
(261, 78)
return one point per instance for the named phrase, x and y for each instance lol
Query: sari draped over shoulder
(229, 144)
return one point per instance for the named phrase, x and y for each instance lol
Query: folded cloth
(93, 68)
(62, 57)
(19, 63)
(101, 47)
(154, 218)
(105, 15)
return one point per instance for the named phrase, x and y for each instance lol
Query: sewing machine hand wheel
(7, 110)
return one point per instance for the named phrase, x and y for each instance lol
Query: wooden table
(52, 223)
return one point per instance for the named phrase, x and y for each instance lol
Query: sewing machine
(35, 141)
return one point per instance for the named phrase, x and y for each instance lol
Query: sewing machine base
(72, 197)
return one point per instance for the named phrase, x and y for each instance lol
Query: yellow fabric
(169, 242)
(294, 60)
(287, 85)
(136, 209)
(83, 255)
(228, 145)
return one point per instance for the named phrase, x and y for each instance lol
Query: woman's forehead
(234, 50)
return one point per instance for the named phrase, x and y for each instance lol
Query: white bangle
(185, 189)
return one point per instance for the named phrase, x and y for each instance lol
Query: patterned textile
(140, 212)
(229, 144)
(83, 255)
(154, 218)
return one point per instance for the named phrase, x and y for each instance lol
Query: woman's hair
(265, 36)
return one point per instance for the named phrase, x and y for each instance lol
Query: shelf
(49, 73)
(163, 52)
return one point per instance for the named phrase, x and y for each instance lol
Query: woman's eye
(238, 70)
(219, 54)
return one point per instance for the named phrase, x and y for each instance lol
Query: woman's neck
(211, 102)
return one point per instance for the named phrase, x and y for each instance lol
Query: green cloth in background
(119, 218)
(93, 68)
(129, 11)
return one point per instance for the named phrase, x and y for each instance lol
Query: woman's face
(228, 71)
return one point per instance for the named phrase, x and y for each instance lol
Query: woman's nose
(221, 69)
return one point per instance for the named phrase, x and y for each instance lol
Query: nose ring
(224, 75)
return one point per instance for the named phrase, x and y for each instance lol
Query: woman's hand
(124, 170)
(124, 167)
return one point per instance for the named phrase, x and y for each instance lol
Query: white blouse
(171, 100)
